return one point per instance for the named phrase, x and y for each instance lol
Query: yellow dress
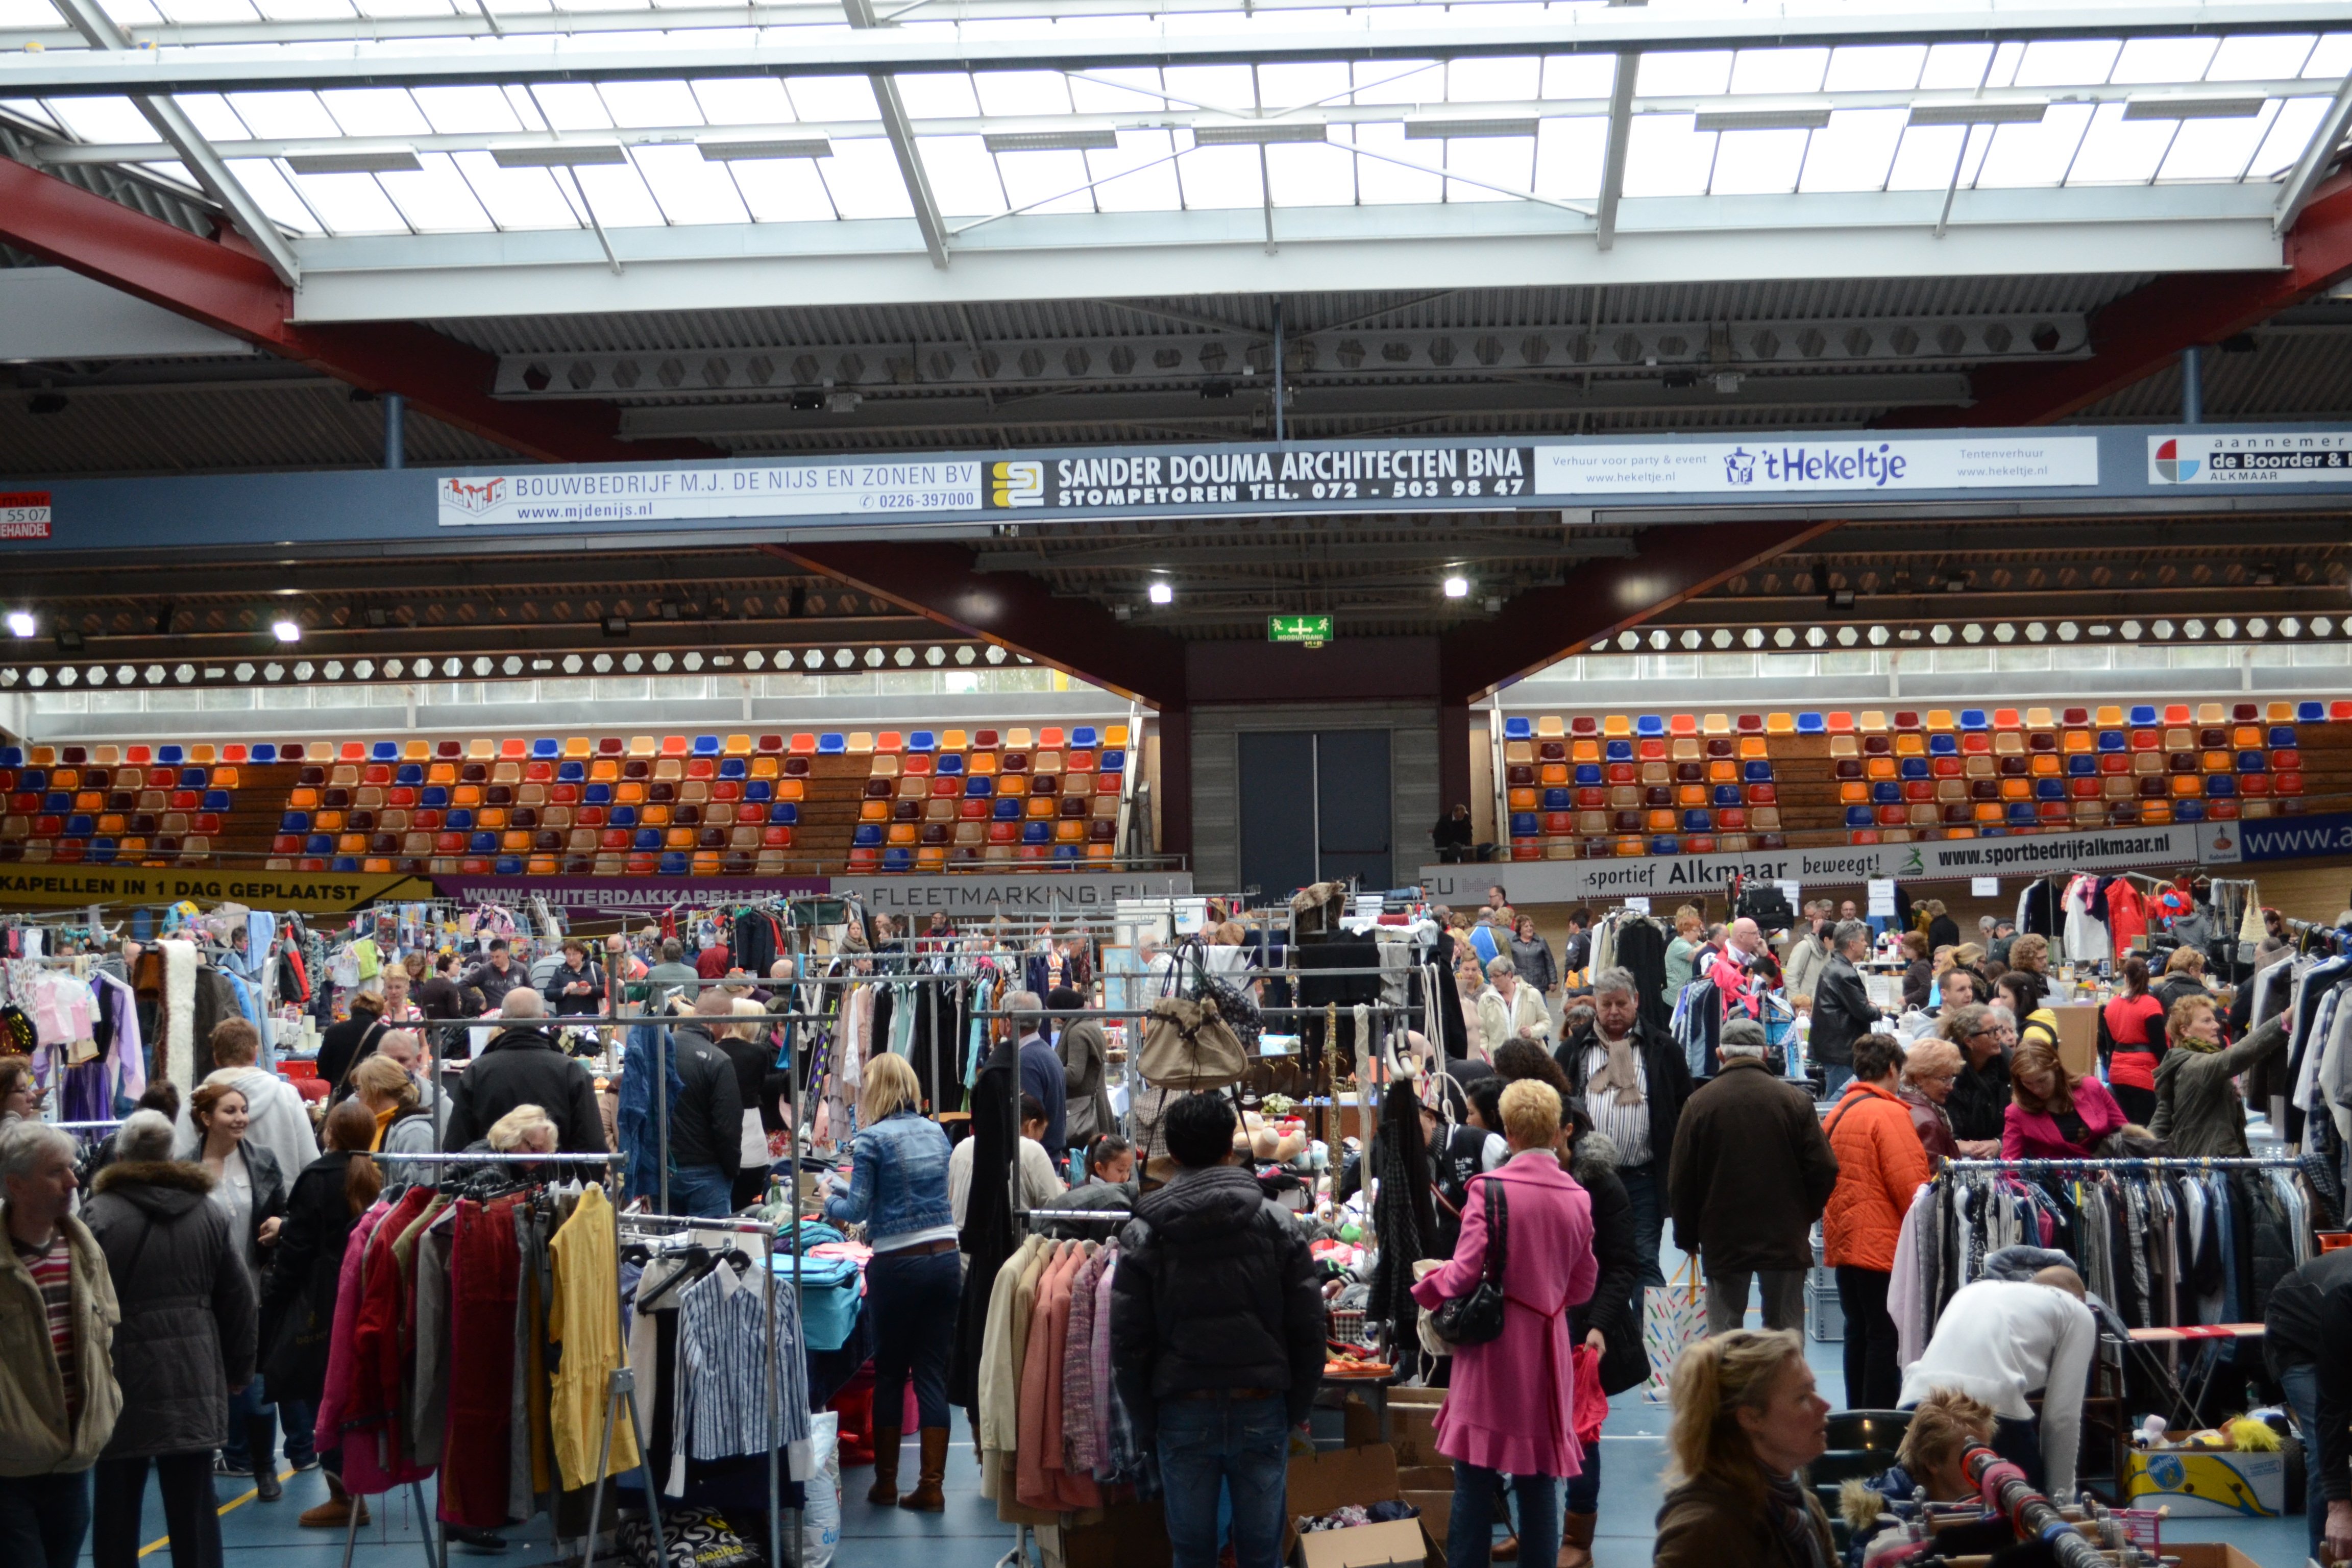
(585, 1320)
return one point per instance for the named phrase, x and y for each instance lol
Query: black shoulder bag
(1477, 1319)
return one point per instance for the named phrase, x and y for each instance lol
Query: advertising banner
(2295, 837)
(2242, 457)
(311, 892)
(1816, 463)
(1038, 896)
(1661, 876)
(586, 895)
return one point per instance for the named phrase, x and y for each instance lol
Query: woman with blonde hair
(1943, 1428)
(1682, 953)
(1747, 1419)
(899, 1191)
(525, 1129)
(2052, 1114)
(2199, 1111)
(403, 1126)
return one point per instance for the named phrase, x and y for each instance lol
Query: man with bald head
(524, 1064)
(1740, 971)
(2001, 1341)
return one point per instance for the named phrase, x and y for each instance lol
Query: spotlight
(286, 631)
(616, 625)
(20, 624)
(1161, 592)
(1457, 586)
(1841, 598)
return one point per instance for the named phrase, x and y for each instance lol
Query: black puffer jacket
(1614, 1306)
(706, 1130)
(187, 1333)
(526, 1067)
(1215, 1289)
(298, 1294)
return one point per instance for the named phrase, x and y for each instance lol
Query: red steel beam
(1011, 609)
(2134, 337)
(223, 284)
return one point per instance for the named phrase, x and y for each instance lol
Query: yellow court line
(235, 1502)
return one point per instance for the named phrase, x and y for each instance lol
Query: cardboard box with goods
(2207, 1483)
(2208, 1555)
(1430, 1488)
(2078, 1037)
(1325, 1483)
(1413, 1425)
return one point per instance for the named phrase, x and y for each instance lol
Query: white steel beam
(901, 133)
(1620, 131)
(2318, 154)
(866, 52)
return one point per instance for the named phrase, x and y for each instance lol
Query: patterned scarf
(1792, 1521)
(1619, 1073)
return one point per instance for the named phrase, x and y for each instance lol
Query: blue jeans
(1584, 1488)
(250, 1405)
(2302, 1385)
(1835, 1076)
(1207, 1446)
(43, 1518)
(1470, 1530)
(913, 1299)
(1646, 1193)
(701, 1191)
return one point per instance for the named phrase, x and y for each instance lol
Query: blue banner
(2295, 838)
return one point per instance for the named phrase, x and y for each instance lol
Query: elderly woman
(2052, 1115)
(1747, 1418)
(1931, 1067)
(1507, 1411)
(2184, 976)
(1510, 1008)
(2197, 1108)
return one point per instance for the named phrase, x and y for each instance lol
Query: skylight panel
(2151, 60)
(32, 110)
(1399, 81)
(688, 189)
(1684, 73)
(1666, 156)
(2296, 123)
(1124, 91)
(1379, 184)
(1568, 155)
(1505, 79)
(638, 104)
(784, 190)
(101, 119)
(350, 204)
(1854, 151)
(619, 195)
(283, 114)
(939, 95)
(305, 10)
(437, 199)
(1212, 87)
(1580, 76)
(1026, 94)
(1874, 67)
(2251, 56)
(268, 187)
(1925, 156)
(213, 11)
(2029, 155)
(1303, 175)
(2216, 149)
(2331, 57)
(1778, 70)
(514, 198)
(571, 106)
(2118, 150)
(2067, 62)
(1951, 65)
(1759, 162)
(1137, 176)
(1304, 82)
(862, 176)
(456, 111)
(833, 98)
(391, 9)
(1496, 160)
(962, 175)
(1047, 178)
(743, 100)
(14, 14)
(376, 111)
(215, 121)
(1220, 177)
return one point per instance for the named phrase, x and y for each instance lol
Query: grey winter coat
(187, 1339)
(1082, 1049)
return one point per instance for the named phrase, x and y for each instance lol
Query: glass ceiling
(2055, 113)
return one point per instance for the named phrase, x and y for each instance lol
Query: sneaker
(224, 1466)
(310, 1463)
(475, 1539)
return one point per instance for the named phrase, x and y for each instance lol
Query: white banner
(834, 488)
(1661, 876)
(1043, 895)
(1844, 465)
(2252, 458)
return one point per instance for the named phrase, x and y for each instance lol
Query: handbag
(1476, 1319)
(1235, 1005)
(1188, 1044)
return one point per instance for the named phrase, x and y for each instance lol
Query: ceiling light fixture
(1258, 135)
(286, 631)
(398, 162)
(570, 156)
(1437, 130)
(1841, 598)
(2194, 108)
(753, 151)
(1050, 140)
(1161, 592)
(1979, 111)
(1762, 119)
(1456, 585)
(21, 624)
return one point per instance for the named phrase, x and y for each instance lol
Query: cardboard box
(2207, 1483)
(1320, 1483)
(2078, 1037)
(1430, 1489)
(1413, 1426)
(2209, 1555)
(1129, 1535)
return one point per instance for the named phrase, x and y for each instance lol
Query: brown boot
(885, 1489)
(1576, 1540)
(1504, 1551)
(335, 1513)
(926, 1496)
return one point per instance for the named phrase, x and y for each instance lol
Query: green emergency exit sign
(1312, 630)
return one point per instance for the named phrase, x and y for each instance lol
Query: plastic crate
(1828, 1316)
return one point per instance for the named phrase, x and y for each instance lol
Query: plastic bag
(821, 1519)
(1587, 1399)
(697, 1537)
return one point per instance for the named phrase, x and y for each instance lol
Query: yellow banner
(312, 892)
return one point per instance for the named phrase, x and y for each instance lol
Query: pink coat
(2033, 1135)
(1508, 1408)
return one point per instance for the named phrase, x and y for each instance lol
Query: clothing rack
(2148, 1162)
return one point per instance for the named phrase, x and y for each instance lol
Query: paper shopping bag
(1674, 1316)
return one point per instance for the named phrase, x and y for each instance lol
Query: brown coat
(32, 1436)
(1705, 1525)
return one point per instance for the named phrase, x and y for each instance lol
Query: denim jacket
(898, 1181)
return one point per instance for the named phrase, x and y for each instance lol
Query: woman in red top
(2131, 1041)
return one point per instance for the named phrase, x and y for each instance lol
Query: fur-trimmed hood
(1595, 1155)
(164, 1188)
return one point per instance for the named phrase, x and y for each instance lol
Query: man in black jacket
(523, 1064)
(2309, 1344)
(1751, 1173)
(1216, 1339)
(497, 978)
(1843, 1013)
(1631, 1080)
(706, 1127)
